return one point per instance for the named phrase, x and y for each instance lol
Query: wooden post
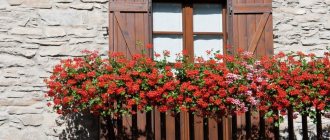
(290, 123)
(177, 127)
(234, 127)
(110, 128)
(304, 126)
(220, 129)
(248, 124)
(277, 130)
(319, 124)
(262, 131)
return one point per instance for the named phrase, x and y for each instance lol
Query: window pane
(203, 43)
(172, 43)
(207, 18)
(167, 17)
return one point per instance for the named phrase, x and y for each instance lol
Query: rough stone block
(309, 41)
(12, 60)
(64, 1)
(295, 11)
(74, 41)
(28, 53)
(70, 50)
(62, 17)
(33, 134)
(45, 42)
(82, 33)
(54, 32)
(11, 94)
(96, 18)
(325, 35)
(82, 6)
(26, 31)
(17, 102)
(43, 4)
(23, 110)
(97, 1)
(32, 120)
(15, 2)
(3, 116)
(3, 4)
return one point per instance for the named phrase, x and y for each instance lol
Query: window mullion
(188, 29)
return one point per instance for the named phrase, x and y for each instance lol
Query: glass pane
(207, 18)
(204, 43)
(172, 43)
(167, 17)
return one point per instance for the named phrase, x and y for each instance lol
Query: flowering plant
(296, 81)
(221, 85)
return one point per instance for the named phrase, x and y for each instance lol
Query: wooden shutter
(129, 25)
(250, 26)
(129, 33)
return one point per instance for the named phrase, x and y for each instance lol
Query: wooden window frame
(187, 24)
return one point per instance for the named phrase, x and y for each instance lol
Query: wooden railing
(186, 126)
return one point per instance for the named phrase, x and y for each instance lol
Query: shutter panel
(250, 26)
(129, 25)
(129, 33)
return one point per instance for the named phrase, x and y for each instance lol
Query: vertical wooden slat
(127, 126)
(259, 43)
(234, 127)
(269, 34)
(304, 126)
(251, 22)
(170, 127)
(198, 128)
(188, 29)
(111, 32)
(157, 123)
(191, 125)
(236, 34)
(227, 127)
(149, 125)
(225, 30)
(290, 124)
(141, 126)
(177, 127)
(319, 125)
(110, 128)
(206, 129)
(213, 129)
(262, 125)
(277, 130)
(248, 125)
(220, 129)
(120, 128)
(242, 29)
(162, 126)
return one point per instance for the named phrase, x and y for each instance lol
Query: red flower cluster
(222, 85)
(298, 81)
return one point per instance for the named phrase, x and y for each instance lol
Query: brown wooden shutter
(129, 25)
(129, 33)
(250, 26)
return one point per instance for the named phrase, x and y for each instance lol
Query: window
(192, 26)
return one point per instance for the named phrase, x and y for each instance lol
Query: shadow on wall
(80, 127)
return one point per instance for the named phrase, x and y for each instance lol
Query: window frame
(187, 32)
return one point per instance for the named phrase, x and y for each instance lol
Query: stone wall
(301, 25)
(36, 34)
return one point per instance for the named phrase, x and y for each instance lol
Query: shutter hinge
(106, 31)
(149, 8)
(231, 10)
